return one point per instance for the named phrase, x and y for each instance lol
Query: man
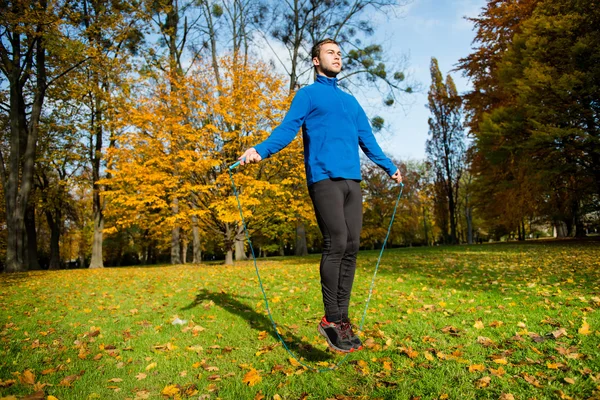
(333, 127)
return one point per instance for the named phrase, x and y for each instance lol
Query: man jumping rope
(333, 127)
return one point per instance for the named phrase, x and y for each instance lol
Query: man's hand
(250, 156)
(397, 176)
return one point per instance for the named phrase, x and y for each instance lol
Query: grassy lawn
(489, 321)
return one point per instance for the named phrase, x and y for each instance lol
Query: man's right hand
(250, 156)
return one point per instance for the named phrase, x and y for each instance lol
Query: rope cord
(265, 294)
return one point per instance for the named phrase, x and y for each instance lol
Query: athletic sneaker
(346, 326)
(336, 338)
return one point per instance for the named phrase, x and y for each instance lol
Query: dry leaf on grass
(252, 377)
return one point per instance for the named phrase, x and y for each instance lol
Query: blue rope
(265, 295)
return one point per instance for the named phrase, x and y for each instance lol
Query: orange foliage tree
(184, 152)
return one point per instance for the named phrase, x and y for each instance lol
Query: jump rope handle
(234, 166)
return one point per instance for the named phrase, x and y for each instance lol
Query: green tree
(446, 146)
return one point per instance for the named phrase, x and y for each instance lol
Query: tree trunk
(175, 236)
(97, 257)
(425, 227)
(228, 242)
(196, 249)
(240, 254)
(54, 224)
(469, 217)
(301, 248)
(32, 254)
(184, 250)
(18, 180)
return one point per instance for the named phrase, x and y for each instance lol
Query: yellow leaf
(498, 372)
(27, 378)
(140, 376)
(570, 381)
(479, 324)
(501, 361)
(252, 377)
(428, 356)
(476, 367)
(51, 398)
(170, 391)
(387, 365)
(483, 382)
(585, 328)
(151, 366)
(294, 362)
(262, 335)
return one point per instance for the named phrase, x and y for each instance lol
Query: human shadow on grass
(259, 322)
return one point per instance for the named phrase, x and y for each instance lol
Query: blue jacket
(334, 125)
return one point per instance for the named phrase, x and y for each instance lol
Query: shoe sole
(331, 346)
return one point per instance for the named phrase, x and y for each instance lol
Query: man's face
(329, 61)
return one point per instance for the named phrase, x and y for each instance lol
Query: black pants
(338, 207)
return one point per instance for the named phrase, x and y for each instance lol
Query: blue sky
(424, 29)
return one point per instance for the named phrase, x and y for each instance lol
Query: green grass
(448, 322)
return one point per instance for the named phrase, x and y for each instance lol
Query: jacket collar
(327, 81)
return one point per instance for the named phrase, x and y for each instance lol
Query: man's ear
(315, 61)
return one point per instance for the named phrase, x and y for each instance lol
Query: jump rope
(360, 327)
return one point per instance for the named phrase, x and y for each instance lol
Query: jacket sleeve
(287, 130)
(369, 145)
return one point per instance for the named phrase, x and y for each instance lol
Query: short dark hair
(316, 49)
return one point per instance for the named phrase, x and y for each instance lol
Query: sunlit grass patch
(462, 322)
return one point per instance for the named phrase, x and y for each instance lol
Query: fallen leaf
(35, 396)
(294, 362)
(68, 380)
(27, 378)
(170, 391)
(506, 396)
(585, 328)
(479, 324)
(252, 377)
(483, 382)
(7, 383)
(476, 367)
(559, 333)
(451, 330)
(498, 372)
(151, 366)
(485, 341)
(259, 396)
(116, 380)
(142, 395)
(262, 335)
(140, 376)
(532, 380)
(570, 381)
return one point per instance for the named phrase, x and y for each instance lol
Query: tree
(32, 54)
(533, 113)
(446, 146)
(201, 140)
